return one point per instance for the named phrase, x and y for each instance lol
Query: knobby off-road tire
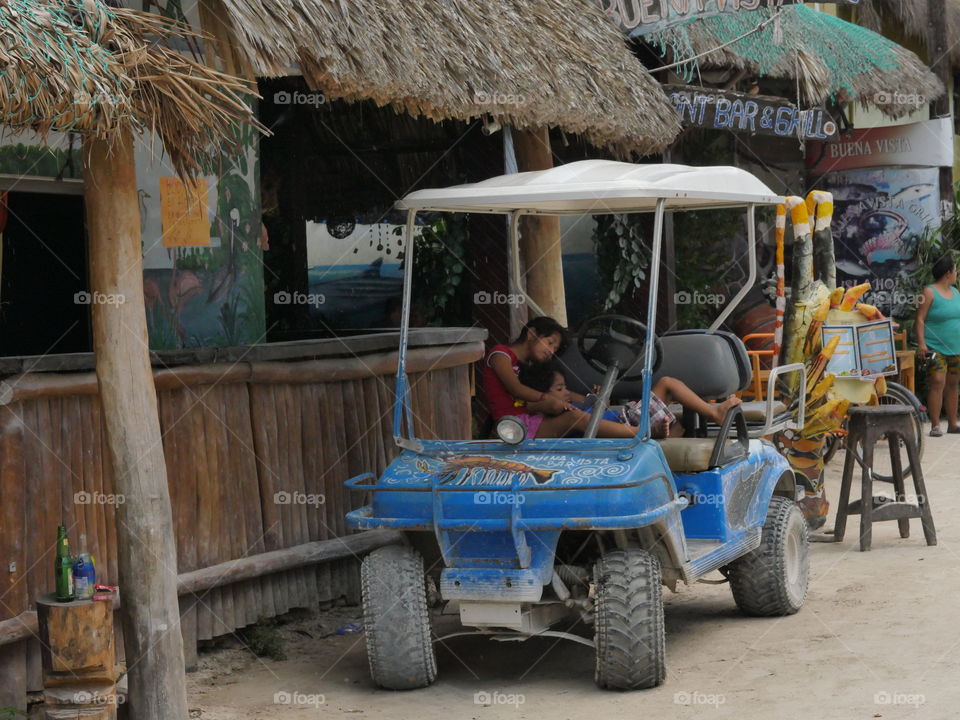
(772, 580)
(629, 632)
(396, 620)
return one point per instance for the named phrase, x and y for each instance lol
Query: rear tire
(772, 580)
(629, 637)
(396, 620)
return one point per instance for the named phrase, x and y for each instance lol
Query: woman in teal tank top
(938, 338)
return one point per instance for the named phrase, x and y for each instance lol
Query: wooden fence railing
(256, 453)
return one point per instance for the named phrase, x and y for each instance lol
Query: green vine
(622, 257)
(701, 248)
(439, 291)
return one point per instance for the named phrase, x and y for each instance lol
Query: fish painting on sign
(880, 213)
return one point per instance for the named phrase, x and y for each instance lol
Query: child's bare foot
(720, 409)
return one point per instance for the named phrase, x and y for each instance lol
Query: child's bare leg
(560, 425)
(670, 389)
(610, 429)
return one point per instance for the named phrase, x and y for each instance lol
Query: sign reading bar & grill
(753, 114)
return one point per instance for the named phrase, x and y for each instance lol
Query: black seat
(713, 363)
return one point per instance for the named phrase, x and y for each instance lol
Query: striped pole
(781, 291)
(824, 260)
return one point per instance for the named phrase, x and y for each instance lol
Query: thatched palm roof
(543, 63)
(910, 17)
(82, 66)
(830, 58)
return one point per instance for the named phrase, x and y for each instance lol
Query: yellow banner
(184, 213)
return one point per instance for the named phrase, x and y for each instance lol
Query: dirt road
(879, 638)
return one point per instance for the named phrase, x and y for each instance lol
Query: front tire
(396, 619)
(629, 639)
(772, 580)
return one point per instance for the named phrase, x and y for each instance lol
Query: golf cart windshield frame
(402, 406)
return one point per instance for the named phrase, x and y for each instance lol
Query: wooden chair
(906, 362)
(760, 377)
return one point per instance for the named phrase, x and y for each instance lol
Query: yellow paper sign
(183, 212)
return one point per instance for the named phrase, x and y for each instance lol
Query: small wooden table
(78, 657)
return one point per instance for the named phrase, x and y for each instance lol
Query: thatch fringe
(828, 57)
(81, 66)
(910, 18)
(529, 63)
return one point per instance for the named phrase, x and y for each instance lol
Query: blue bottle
(84, 572)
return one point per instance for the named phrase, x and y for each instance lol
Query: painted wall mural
(22, 153)
(880, 213)
(353, 272)
(203, 290)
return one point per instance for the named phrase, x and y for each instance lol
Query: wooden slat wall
(230, 449)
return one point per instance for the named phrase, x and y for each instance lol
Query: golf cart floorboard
(708, 555)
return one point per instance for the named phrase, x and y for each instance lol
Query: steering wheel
(617, 339)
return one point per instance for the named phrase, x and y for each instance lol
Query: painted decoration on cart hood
(489, 470)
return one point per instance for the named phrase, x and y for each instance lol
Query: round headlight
(511, 430)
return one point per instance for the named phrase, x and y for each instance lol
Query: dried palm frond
(529, 64)
(81, 66)
(910, 16)
(191, 106)
(813, 77)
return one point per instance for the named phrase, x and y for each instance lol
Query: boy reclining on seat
(549, 415)
(549, 379)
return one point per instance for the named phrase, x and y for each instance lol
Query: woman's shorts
(949, 364)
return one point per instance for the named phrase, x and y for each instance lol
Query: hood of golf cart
(500, 466)
(488, 487)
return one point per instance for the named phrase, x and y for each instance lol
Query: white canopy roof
(594, 187)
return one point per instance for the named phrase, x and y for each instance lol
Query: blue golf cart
(519, 535)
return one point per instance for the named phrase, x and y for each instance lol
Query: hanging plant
(438, 272)
(622, 256)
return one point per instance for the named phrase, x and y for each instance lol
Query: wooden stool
(867, 425)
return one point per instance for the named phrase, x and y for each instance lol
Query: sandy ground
(878, 638)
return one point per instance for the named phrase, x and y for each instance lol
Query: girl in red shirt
(544, 415)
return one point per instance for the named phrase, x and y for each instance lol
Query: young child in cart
(549, 411)
(663, 423)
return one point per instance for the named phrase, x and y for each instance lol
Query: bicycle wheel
(898, 395)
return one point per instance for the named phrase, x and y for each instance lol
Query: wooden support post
(146, 553)
(14, 599)
(540, 249)
(938, 57)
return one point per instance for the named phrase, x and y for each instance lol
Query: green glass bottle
(63, 566)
